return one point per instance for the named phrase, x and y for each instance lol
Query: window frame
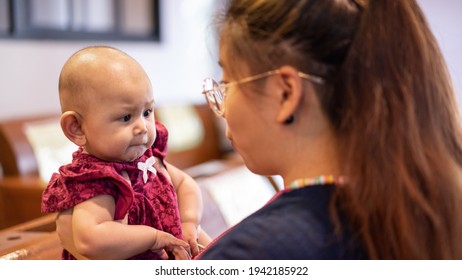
(20, 26)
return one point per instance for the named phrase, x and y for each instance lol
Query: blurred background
(173, 39)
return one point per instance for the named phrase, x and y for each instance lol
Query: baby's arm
(190, 204)
(64, 230)
(97, 236)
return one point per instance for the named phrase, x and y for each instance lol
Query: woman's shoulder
(286, 228)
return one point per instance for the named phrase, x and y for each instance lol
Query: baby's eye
(147, 113)
(126, 118)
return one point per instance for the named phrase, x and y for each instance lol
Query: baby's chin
(133, 152)
(134, 155)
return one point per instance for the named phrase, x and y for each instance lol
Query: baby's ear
(71, 124)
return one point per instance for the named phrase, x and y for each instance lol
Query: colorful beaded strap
(320, 180)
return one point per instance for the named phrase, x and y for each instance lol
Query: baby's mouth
(139, 144)
(143, 142)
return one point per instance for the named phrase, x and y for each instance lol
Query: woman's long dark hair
(390, 99)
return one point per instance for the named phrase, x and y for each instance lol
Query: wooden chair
(33, 240)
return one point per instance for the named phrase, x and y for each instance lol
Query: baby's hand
(180, 253)
(190, 235)
(167, 242)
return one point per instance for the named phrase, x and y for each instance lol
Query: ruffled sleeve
(76, 183)
(159, 148)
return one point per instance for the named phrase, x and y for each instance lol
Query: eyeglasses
(215, 92)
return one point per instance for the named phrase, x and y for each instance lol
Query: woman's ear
(71, 124)
(291, 93)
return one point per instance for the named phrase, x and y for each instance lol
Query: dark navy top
(295, 225)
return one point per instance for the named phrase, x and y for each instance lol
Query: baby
(119, 198)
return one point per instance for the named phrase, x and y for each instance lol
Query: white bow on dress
(147, 166)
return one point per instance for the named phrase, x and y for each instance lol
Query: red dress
(153, 203)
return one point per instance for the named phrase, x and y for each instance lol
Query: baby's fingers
(161, 253)
(180, 253)
(194, 247)
(178, 242)
(167, 241)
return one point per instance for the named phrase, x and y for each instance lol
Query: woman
(351, 103)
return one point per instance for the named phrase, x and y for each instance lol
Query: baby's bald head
(89, 70)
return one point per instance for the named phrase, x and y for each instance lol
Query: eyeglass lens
(213, 94)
